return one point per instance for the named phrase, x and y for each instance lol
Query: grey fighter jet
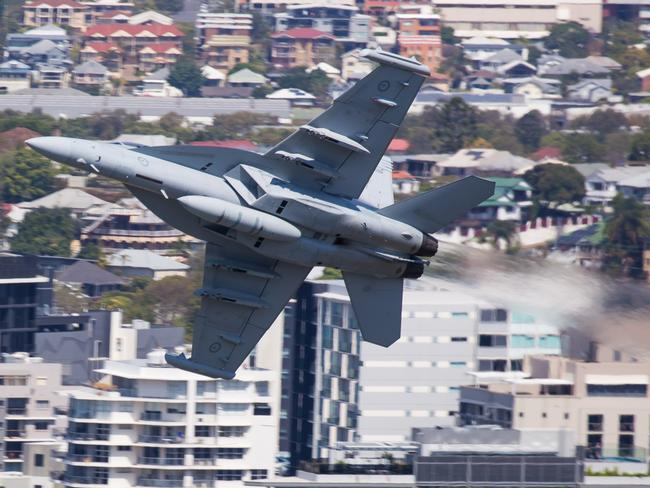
(321, 197)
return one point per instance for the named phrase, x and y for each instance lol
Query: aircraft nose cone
(57, 148)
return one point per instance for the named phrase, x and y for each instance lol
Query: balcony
(15, 434)
(13, 456)
(161, 439)
(629, 454)
(158, 483)
(153, 461)
(86, 436)
(16, 411)
(86, 458)
(84, 480)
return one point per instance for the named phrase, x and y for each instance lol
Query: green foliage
(454, 64)
(447, 35)
(36, 121)
(269, 136)
(602, 122)
(454, 125)
(530, 129)
(186, 76)
(25, 175)
(92, 252)
(235, 126)
(582, 148)
(625, 232)
(189, 38)
(533, 55)
(556, 183)
(502, 230)
(262, 29)
(262, 91)
(45, 231)
(331, 274)
(316, 82)
(640, 146)
(169, 6)
(620, 38)
(570, 39)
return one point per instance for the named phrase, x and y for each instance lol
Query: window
(228, 474)
(40, 425)
(626, 445)
(617, 390)
(626, 423)
(41, 381)
(522, 341)
(232, 385)
(262, 409)
(40, 404)
(230, 453)
(459, 339)
(259, 474)
(240, 408)
(123, 448)
(231, 431)
(595, 423)
(498, 315)
(262, 388)
(485, 340)
(38, 460)
(328, 337)
(202, 431)
(458, 364)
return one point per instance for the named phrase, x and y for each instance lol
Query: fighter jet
(320, 197)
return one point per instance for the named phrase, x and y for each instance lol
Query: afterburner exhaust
(429, 246)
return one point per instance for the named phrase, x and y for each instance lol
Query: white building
(602, 186)
(147, 424)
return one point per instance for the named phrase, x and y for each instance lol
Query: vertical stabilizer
(377, 304)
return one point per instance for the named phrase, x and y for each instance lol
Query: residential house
(385, 37)
(494, 61)
(418, 35)
(644, 76)
(419, 165)
(102, 8)
(590, 90)
(344, 23)
(213, 76)
(478, 48)
(224, 39)
(73, 199)
(14, 76)
(157, 56)
(60, 12)
(533, 88)
(44, 52)
(142, 262)
(353, 66)
(637, 186)
(115, 17)
(386, 7)
(602, 186)
(156, 85)
(556, 66)
(132, 38)
(15, 138)
(605, 62)
(583, 247)
(295, 96)
(302, 47)
(246, 78)
(517, 69)
(90, 75)
(47, 76)
(150, 17)
(486, 162)
(16, 42)
(107, 53)
(89, 278)
(332, 73)
(268, 7)
(405, 183)
(511, 201)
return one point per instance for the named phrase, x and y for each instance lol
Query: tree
(454, 125)
(92, 252)
(640, 146)
(316, 82)
(172, 300)
(262, 29)
(534, 54)
(45, 231)
(25, 175)
(169, 6)
(189, 38)
(625, 232)
(502, 230)
(603, 122)
(447, 35)
(530, 129)
(556, 183)
(582, 148)
(570, 39)
(186, 76)
(235, 126)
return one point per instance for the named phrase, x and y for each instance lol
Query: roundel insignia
(383, 85)
(215, 347)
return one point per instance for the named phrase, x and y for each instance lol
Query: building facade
(147, 424)
(419, 36)
(302, 47)
(224, 39)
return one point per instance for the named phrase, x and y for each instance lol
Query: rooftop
(142, 258)
(303, 33)
(88, 273)
(72, 198)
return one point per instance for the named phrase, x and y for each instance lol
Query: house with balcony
(157, 56)
(603, 185)
(16, 42)
(60, 12)
(302, 47)
(102, 9)
(47, 76)
(144, 423)
(14, 76)
(512, 201)
(90, 76)
(108, 54)
(224, 39)
(637, 187)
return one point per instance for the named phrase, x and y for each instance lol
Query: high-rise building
(30, 391)
(418, 35)
(147, 424)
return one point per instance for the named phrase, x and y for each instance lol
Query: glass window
(202, 431)
(549, 342)
(595, 423)
(522, 341)
(617, 390)
(336, 313)
(232, 385)
(328, 337)
(626, 423)
(38, 460)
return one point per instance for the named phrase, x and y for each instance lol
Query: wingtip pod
(395, 60)
(181, 361)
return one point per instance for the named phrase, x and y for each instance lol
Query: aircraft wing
(350, 138)
(242, 295)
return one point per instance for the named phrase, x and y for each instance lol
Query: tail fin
(379, 190)
(377, 304)
(432, 210)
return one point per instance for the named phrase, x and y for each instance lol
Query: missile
(243, 219)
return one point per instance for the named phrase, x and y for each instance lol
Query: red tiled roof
(402, 175)
(16, 137)
(108, 30)
(302, 33)
(231, 144)
(114, 13)
(399, 145)
(102, 46)
(54, 3)
(161, 47)
(546, 152)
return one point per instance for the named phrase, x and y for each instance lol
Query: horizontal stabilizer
(434, 209)
(377, 304)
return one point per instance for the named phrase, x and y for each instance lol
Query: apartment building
(60, 12)
(224, 39)
(147, 424)
(604, 404)
(419, 36)
(302, 47)
(29, 390)
(515, 19)
(269, 7)
(350, 28)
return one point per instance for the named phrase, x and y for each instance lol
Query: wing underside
(242, 295)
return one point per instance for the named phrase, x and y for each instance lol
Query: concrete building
(224, 39)
(268, 7)
(147, 424)
(604, 404)
(419, 36)
(302, 47)
(29, 389)
(60, 12)
(348, 27)
(515, 19)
